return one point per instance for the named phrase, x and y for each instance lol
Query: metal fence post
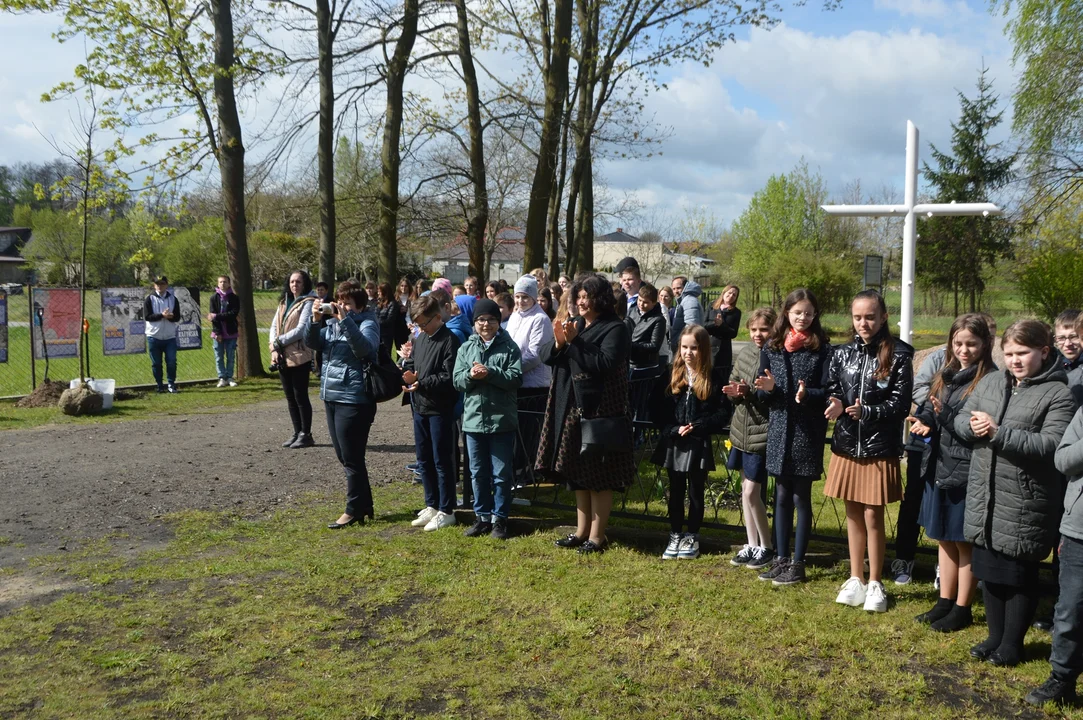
(33, 363)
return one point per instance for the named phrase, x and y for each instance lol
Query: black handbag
(383, 381)
(601, 435)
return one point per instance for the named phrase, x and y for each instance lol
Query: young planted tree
(164, 63)
(956, 252)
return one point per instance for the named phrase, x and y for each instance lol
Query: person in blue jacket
(349, 341)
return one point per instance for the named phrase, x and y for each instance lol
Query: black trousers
(695, 483)
(295, 385)
(907, 529)
(349, 425)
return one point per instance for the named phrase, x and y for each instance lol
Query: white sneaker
(440, 520)
(232, 383)
(875, 597)
(424, 516)
(221, 382)
(689, 547)
(670, 553)
(853, 593)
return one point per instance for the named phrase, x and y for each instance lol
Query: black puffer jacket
(950, 452)
(722, 326)
(393, 329)
(879, 432)
(795, 432)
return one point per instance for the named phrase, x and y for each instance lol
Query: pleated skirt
(872, 481)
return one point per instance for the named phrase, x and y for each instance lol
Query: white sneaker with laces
(852, 593)
(936, 582)
(875, 597)
(670, 553)
(232, 383)
(440, 520)
(221, 382)
(424, 516)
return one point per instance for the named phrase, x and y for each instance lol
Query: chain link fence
(40, 327)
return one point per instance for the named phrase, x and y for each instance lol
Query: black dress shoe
(570, 541)
(995, 658)
(356, 520)
(591, 548)
(980, 651)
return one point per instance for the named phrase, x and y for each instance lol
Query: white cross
(911, 211)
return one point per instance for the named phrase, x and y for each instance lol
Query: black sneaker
(480, 527)
(761, 558)
(792, 575)
(161, 390)
(288, 443)
(776, 569)
(1052, 690)
(500, 529)
(743, 556)
(173, 389)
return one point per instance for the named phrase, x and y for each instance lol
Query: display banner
(123, 327)
(56, 322)
(190, 327)
(122, 321)
(3, 327)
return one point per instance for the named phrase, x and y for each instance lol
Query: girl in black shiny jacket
(869, 386)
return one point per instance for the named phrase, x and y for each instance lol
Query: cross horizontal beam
(934, 209)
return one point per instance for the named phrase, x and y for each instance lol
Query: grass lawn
(278, 617)
(191, 399)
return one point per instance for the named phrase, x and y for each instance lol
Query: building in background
(13, 269)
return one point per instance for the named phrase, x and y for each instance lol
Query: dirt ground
(63, 485)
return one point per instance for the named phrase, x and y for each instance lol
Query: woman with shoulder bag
(590, 383)
(292, 357)
(350, 339)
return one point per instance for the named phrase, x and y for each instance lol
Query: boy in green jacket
(488, 369)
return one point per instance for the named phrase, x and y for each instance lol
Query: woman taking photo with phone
(348, 340)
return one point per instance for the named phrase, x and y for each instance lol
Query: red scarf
(796, 340)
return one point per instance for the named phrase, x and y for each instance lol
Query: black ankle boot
(940, 610)
(960, 617)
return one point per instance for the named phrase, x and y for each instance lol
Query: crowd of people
(994, 454)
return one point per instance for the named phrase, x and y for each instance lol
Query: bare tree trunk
(475, 226)
(390, 157)
(325, 153)
(231, 169)
(584, 222)
(553, 229)
(556, 90)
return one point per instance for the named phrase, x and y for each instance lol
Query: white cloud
(917, 8)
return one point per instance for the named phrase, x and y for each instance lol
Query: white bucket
(106, 387)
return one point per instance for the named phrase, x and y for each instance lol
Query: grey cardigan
(1069, 460)
(1014, 492)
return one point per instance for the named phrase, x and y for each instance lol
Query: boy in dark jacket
(428, 377)
(224, 308)
(648, 329)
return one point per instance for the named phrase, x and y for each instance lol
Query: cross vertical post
(910, 210)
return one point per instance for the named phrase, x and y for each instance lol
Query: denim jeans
(225, 353)
(157, 348)
(491, 457)
(434, 443)
(1066, 655)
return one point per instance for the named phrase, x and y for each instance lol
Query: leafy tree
(956, 252)
(1048, 39)
(194, 256)
(7, 195)
(1051, 260)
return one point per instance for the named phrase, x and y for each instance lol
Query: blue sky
(834, 88)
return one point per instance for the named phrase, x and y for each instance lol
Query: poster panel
(122, 321)
(56, 323)
(190, 328)
(3, 327)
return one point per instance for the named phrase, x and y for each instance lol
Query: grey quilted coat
(1013, 496)
(748, 429)
(1069, 460)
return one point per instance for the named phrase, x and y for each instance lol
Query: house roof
(509, 248)
(12, 239)
(618, 237)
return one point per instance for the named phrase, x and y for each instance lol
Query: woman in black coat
(392, 321)
(723, 323)
(590, 380)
